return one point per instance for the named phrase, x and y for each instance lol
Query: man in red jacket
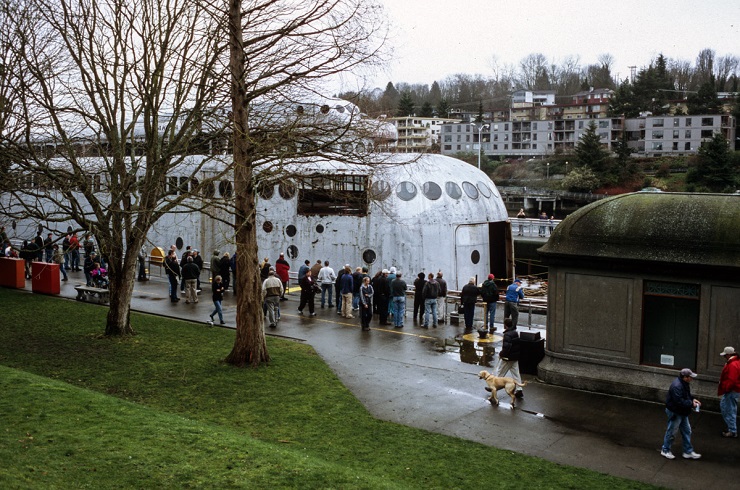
(729, 390)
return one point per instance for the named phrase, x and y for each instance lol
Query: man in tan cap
(729, 390)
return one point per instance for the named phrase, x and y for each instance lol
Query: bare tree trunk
(250, 347)
(121, 287)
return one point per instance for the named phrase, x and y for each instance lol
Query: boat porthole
(369, 256)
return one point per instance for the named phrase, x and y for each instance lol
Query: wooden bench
(88, 293)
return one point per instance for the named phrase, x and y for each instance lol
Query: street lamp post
(548, 171)
(480, 140)
(566, 168)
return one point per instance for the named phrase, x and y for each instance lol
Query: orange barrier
(45, 278)
(12, 273)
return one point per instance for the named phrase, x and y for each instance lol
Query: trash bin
(12, 273)
(45, 278)
(531, 353)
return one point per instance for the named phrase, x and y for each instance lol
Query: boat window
(209, 189)
(267, 226)
(380, 190)
(470, 190)
(292, 252)
(266, 190)
(225, 188)
(344, 195)
(431, 190)
(291, 230)
(483, 188)
(369, 256)
(475, 257)
(286, 190)
(319, 228)
(453, 190)
(406, 191)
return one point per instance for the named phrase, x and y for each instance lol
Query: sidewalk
(407, 377)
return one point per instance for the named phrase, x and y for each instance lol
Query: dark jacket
(419, 286)
(190, 271)
(381, 287)
(308, 284)
(511, 349)
(489, 291)
(218, 290)
(398, 287)
(172, 267)
(469, 294)
(198, 260)
(347, 284)
(431, 290)
(224, 266)
(442, 287)
(679, 399)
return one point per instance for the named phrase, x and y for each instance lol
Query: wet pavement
(417, 377)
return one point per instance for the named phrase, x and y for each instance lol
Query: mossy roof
(681, 228)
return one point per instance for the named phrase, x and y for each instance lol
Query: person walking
(326, 279)
(508, 358)
(346, 288)
(74, 252)
(430, 292)
(282, 270)
(217, 288)
(272, 291)
(678, 406)
(468, 298)
(514, 294)
(303, 268)
(489, 293)
(398, 299)
(190, 273)
(366, 303)
(729, 390)
(308, 292)
(58, 258)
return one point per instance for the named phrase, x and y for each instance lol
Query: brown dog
(495, 384)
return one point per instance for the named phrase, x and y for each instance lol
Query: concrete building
(641, 285)
(418, 134)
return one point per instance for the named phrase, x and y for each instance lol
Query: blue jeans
(355, 300)
(218, 310)
(63, 270)
(430, 306)
(677, 422)
(324, 289)
(399, 306)
(728, 406)
(491, 314)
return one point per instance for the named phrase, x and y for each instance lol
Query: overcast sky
(437, 38)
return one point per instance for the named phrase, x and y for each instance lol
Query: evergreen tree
(589, 151)
(479, 118)
(716, 170)
(426, 110)
(705, 100)
(623, 102)
(443, 108)
(435, 94)
(405, 105)
(389, 99)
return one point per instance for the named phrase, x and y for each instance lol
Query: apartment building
(647, 135)
(418, 134)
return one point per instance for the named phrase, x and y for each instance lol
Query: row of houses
(535, 127)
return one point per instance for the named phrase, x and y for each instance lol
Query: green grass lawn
(161, 409)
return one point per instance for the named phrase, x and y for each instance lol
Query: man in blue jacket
(514, 293)
(678, 406)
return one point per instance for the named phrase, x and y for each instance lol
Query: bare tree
(279, 50)
(114, 95)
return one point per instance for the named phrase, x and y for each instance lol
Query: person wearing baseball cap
(729, 390)
(489, 292)
(679, 404)
(514, 294)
